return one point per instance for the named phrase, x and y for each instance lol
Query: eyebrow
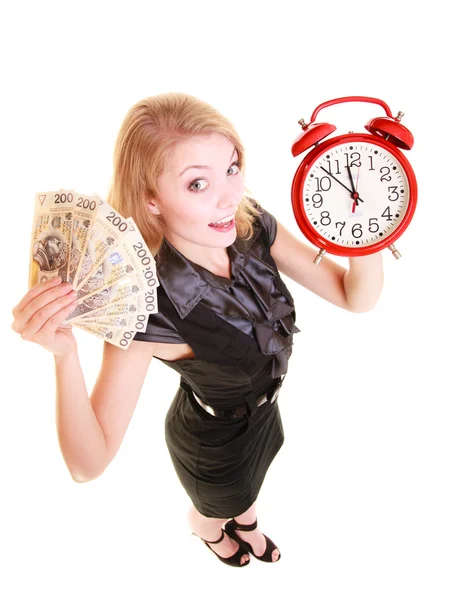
(204, 166)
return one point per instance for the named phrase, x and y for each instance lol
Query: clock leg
(318, 258)
(395, 252)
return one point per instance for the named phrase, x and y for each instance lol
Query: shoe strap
(246, 527)
(217, 541)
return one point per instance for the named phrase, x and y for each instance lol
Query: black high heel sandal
(233, 561)
(232, 526)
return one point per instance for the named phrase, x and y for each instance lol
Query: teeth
(224, 220)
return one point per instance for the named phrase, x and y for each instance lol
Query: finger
(46, 312)
(54, 322)
(40, 301)
(33, 292)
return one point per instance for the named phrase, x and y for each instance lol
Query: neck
(214, 259)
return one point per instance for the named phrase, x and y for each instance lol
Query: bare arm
(80, 435)
(356, 289)
(91, 430)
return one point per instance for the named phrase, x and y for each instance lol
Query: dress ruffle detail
(274, 333)
(250, 300)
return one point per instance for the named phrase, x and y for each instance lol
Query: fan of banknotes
(88, 243)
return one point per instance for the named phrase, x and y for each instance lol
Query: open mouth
(223, 223)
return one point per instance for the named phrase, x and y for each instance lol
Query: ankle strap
(246, 527)
(219, 540)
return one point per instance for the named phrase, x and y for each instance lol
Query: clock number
(337, 172)
(373, 223)
(357, 230)
(371, 163)
(343, 225)
(317, 203)
(323, 183)
(387, 214)
(325, 218)
(356, 159)
(393, 190)
(385, 174)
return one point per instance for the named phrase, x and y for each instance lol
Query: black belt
(237, 411)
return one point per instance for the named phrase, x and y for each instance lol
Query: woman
(225, 323)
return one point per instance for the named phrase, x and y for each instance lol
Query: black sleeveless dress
(240, 330)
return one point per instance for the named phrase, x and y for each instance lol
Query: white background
(358, 497)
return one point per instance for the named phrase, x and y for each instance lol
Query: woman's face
(201, 184)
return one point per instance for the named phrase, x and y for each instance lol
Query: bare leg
(255, 538)
(210, 529)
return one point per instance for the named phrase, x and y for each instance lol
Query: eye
(197, 189)
(196, 181)
(236, 164)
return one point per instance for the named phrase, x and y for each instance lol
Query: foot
(257, 541)
(227, 547)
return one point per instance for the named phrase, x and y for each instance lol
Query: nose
(228, 206)
(230, 197)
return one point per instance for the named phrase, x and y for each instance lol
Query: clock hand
(351, 179)
(354, 195)
(357, 181)
(340, 182)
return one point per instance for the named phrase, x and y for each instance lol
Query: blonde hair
(150, 129)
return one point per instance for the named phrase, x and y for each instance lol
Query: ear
(152, 205)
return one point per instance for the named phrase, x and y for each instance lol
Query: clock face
(355, 194)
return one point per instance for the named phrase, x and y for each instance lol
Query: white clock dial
(361, 212)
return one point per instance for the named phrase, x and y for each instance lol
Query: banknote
(148, 269)
(118, 292)
(120, 309)
(129, 256)
(51, 237)
(113, 322)
(84, 213)
(119, 337)
(110, 227)
(104, 256)
(135, 318)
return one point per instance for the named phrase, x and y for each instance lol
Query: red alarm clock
(356, 193)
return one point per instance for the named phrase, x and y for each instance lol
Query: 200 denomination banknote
(103, 254)
(51, 237)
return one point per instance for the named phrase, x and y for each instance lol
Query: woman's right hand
(38, 316)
